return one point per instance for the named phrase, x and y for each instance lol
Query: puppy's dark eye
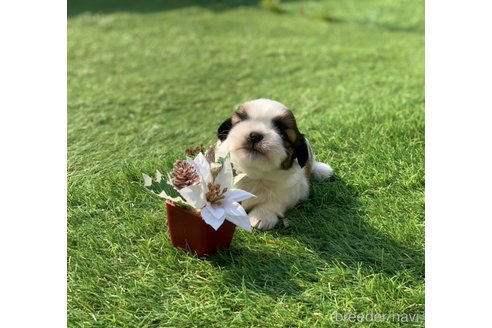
(282, 134)
(279, 128)
(286, 127)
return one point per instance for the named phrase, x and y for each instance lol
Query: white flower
(216, 198)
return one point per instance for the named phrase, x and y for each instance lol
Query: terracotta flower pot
(189, 232)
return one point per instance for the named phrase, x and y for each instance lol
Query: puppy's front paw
(262, 219)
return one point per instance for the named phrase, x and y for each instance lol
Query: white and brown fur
(273, 159)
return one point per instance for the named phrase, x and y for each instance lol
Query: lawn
(147, 79)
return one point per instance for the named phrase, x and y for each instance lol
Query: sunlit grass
(148, 79)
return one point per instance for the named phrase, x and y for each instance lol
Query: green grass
(147, 79)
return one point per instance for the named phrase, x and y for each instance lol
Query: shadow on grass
(382, 26)
(333, 232)
(77, 7)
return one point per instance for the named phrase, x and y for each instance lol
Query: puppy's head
(262, 135)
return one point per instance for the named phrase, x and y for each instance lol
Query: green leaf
(177, 200)
(159, 185)
(222, 160)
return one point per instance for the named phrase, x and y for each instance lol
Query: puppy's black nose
(255, 137)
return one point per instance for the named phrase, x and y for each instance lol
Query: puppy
(274, 161)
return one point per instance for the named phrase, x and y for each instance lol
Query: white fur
(276, 189)
(321, 170)
(264, 109)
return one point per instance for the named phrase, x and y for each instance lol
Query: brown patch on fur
(294, 142)
(239, 115)
(287, 163)
(308, 169)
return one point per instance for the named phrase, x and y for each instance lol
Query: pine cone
(184, 174)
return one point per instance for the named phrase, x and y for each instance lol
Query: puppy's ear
(224, 129)
(301, 151)
(294, 141)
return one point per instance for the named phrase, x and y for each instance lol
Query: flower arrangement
(204, 188)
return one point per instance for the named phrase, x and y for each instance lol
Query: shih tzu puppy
(274, 161)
